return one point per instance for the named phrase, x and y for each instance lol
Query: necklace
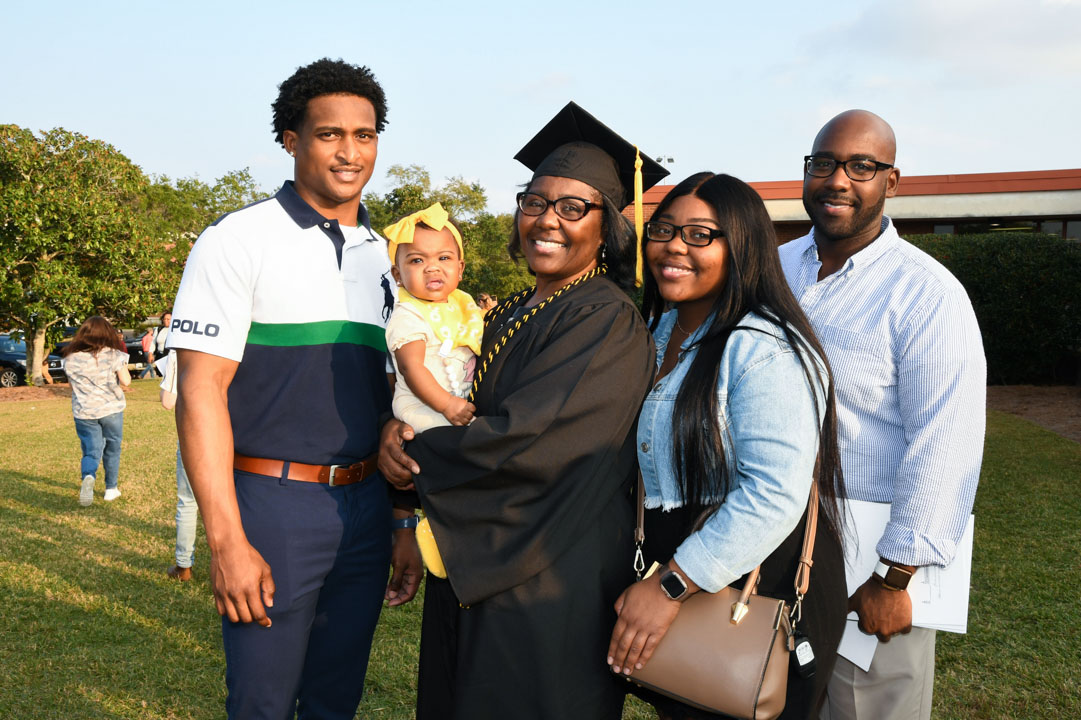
(681, 327)
(496, 313)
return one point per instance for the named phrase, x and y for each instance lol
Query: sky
(184, 89)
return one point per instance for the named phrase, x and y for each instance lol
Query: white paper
(856, 647)
(939, 595)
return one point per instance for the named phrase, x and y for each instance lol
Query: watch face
(673, 585)
(898, 578)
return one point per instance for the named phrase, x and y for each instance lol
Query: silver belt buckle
(333, 469)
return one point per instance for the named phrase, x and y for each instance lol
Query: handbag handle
(739, 609)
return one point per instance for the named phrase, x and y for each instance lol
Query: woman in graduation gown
(530, 504)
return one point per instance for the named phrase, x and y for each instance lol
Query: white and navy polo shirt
(302, 304)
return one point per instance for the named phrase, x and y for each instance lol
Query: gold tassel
(639, 217)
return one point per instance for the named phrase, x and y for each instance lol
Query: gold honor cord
(639, 217)
(482, 364)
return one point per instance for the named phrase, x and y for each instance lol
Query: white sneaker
(111, 494)
(86, 492)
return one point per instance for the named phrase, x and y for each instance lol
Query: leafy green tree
(83, 231)
(176, 212)
(488, 267)
(72, 241)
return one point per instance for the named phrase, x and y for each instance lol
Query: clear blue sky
(185, 88)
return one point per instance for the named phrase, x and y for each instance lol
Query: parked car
(133, 340)
(133, 344)
(13, 363)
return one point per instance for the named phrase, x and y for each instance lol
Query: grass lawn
(90, 626)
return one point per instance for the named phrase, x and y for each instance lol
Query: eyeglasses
(858, 169)
(695, 235)
(568, 208)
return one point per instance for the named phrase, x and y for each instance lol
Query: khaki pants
(897, 687)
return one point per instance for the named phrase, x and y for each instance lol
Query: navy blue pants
(329, 550)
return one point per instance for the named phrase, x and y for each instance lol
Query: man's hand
(882, 612)
(397, 467)
(459, 411)
(242, 584)
(408, 568)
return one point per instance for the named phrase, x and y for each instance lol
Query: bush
(1026, 291)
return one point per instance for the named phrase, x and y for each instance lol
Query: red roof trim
(958, 184)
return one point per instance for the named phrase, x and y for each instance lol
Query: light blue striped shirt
(908, 365)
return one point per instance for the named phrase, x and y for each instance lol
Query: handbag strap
(806, 559)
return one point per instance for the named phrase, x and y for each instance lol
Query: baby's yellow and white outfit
(451, 343)
(451, 332)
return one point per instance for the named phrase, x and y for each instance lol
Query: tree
(488, 265)
(176, 212)
(71, 239)
(83, 231)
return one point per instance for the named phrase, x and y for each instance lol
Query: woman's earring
(604, 251)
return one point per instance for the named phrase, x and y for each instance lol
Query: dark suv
(13, 363)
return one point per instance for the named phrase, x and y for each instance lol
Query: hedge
(1026, 291)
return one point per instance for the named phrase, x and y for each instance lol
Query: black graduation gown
(531, 509)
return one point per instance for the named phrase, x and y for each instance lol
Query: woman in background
(98, 373)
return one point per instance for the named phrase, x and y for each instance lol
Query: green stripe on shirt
(327, 332)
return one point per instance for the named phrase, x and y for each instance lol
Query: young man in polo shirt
(279, 327)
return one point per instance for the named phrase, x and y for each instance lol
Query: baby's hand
(459, 411)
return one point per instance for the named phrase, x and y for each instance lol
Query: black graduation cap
(576, 145)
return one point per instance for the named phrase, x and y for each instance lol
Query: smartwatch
(674, 586)
(892, 577)
(409, 523)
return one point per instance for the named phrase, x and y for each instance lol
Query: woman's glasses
(568, 208)
(695, 235)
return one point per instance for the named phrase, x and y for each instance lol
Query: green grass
(90, 626)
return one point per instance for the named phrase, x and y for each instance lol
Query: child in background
(435, 331)
(433, 335)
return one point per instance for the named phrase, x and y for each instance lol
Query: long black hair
(754, 283)
(617, 243)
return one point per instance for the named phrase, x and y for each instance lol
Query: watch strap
(892, 577)
(407, 523)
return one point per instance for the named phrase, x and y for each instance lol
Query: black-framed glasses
(568, 208)
(696, 235)
(858, 169)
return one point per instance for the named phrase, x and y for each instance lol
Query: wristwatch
(892, 577)
(409, 523)
(673, 584)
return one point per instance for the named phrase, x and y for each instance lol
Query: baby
(435, 331)
(433, 335)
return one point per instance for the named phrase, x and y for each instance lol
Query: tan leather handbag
(728, 652)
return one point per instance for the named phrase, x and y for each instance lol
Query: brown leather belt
(326, 474)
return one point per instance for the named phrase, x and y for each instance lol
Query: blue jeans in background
(100, 439)
(186, 514)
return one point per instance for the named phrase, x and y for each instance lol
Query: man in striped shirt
(910, 376)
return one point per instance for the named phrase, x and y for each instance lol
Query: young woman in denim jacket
(729, 435)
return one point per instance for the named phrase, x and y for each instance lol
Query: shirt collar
(887, 238)
(664, 333)
(306, 216)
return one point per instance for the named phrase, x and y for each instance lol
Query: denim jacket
(770, 433)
